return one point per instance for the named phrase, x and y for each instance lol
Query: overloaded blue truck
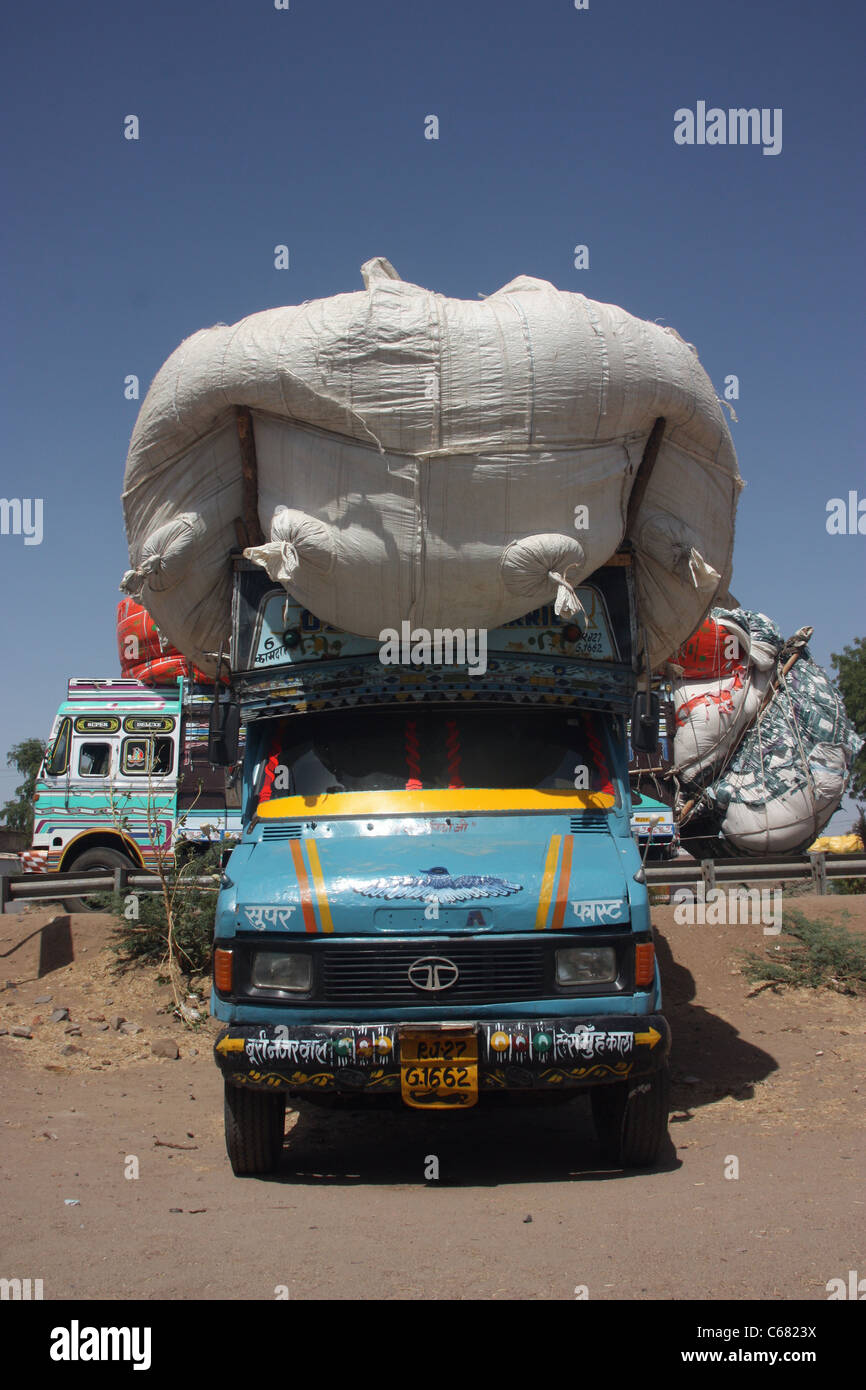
(437, 897)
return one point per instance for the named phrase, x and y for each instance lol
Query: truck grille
(378, 973)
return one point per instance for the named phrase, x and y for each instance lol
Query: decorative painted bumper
(33, 861)
(558, 1054)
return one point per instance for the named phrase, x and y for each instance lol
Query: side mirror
(223, 733)
(645, 722)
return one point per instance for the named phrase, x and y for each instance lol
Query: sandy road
(775, 1082)
(350, 1215)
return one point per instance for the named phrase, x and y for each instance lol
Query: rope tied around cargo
(132, 582)
(793, 724)
(567, 604)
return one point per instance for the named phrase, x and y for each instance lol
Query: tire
(91, 859)
(631, 1119)
(255, 1124)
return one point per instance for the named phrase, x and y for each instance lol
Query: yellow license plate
(439, 1070)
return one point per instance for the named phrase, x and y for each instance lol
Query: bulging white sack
(791, 819)
(782, 784)
(710, 715)
(435, 458)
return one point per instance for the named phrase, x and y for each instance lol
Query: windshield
(423, 748)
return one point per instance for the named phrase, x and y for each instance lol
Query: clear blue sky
(306, 127)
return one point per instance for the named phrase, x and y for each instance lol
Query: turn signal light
(222, 970)
(644, 964)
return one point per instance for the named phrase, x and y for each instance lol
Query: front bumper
(517, 1055)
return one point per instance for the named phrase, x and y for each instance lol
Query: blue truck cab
(653, 821)
(437, 896)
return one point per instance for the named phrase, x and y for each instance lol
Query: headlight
(585, 965)
(282, 970)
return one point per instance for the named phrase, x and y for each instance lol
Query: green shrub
(809, 954)
(145, 938)
(848, 885)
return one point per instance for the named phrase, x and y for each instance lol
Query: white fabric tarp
(710, 715)
(423, 458)
(775, 790)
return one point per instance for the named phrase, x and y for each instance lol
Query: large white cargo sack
(423, 458)
(756, 821)
(735, 651)
(787, 777)
(710, 715)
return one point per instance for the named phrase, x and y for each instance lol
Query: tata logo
(433, 973)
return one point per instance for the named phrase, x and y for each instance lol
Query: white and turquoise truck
(126, 781)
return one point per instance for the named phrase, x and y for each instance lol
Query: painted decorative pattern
(501, 1079)
(519, 680)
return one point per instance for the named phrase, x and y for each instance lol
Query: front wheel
(255, 1124)
(93, 860)
(631, 1118)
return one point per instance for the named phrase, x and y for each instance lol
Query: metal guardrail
(820, 869)
(38, 887)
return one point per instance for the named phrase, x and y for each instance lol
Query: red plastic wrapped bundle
(143, 653)
(713, 651)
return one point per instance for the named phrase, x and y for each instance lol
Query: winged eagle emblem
(437, 885)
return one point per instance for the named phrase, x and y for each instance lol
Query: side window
(94, 760)
(57, 757)
(147, 756)
(163, 756)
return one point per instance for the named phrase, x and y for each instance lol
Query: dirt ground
(114, 1181)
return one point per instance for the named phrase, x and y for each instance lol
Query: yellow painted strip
(564, 880)
(307, 910)
(547, 882)
(319, 885)
(230, 1045)
(413, 803)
